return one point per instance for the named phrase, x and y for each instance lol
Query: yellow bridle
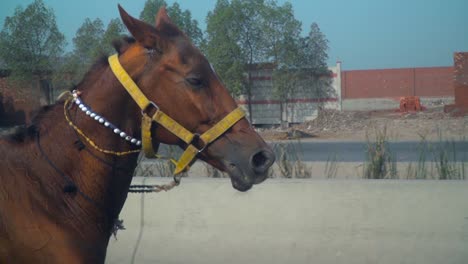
(168, 123)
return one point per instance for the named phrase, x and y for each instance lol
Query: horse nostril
(262, 160)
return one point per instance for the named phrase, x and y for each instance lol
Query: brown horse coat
(59, 197)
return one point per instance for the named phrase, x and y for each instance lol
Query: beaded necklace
(101, 120)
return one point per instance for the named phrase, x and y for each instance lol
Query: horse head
(180, 81)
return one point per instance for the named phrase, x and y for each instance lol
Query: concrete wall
(298, 221)
(301, 107)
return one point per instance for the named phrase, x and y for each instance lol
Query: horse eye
(195, 82)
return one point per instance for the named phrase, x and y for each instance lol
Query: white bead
(97, 117)
(92, 115)
(138, 143)
(81, 106)
(117, 131)
(101, 120)
(88, 112)
(128, 138)
(77, 101)
(106, 124)
(122, 134)
(84, 109)
(133, 140)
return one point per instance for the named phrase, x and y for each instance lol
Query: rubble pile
(355, 124)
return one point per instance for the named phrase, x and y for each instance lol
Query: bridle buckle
(196, 142)
(151, 104)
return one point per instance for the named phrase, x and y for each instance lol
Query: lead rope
(153, 188)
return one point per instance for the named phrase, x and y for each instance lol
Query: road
(356, 151)
(408, 151)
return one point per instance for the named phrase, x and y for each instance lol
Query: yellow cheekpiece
(168, 123)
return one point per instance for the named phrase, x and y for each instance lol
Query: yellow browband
(170, 124)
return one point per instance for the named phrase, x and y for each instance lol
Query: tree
(242, 22)
(315, 47)
(183, 19)
(30, 42)
(115, 30)
(88, 46)
(304, 68)
(222, 48)
(282, 32)
(242, 34)
(148, 14)
(88, 40)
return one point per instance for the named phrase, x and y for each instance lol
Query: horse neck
(105, 178)
(109, 99)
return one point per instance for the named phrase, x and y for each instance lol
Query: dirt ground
(430, 124)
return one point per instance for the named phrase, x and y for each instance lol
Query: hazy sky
(363, 34)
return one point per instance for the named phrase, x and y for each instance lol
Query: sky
(362, 34)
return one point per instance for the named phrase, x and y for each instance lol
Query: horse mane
(122, 44)
(21, 133)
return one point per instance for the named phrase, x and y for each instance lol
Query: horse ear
(141, 31)
(164, 23)
(162, 17)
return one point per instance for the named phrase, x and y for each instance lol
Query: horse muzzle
(244, 174)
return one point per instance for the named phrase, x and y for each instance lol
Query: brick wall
(461, 79)
(460, 83)
(394, 83)
(17, 105)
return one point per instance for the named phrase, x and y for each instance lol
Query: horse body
(41, 222)
(59, 197)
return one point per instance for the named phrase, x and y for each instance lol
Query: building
(268, 109)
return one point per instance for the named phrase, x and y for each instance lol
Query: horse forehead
(186, 52)
(134, 51)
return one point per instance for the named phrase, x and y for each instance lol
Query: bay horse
(63, 181)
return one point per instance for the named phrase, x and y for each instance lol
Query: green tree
(314, 59)
(282, 32)
(87, 41)
(244, 33)
(222, 48)
(242, 24)
(151, 8)
(316, 48)
(115, 30)
(30, 42)
(302, 68)
(90, 42)
(88, 46)
(183, 19)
